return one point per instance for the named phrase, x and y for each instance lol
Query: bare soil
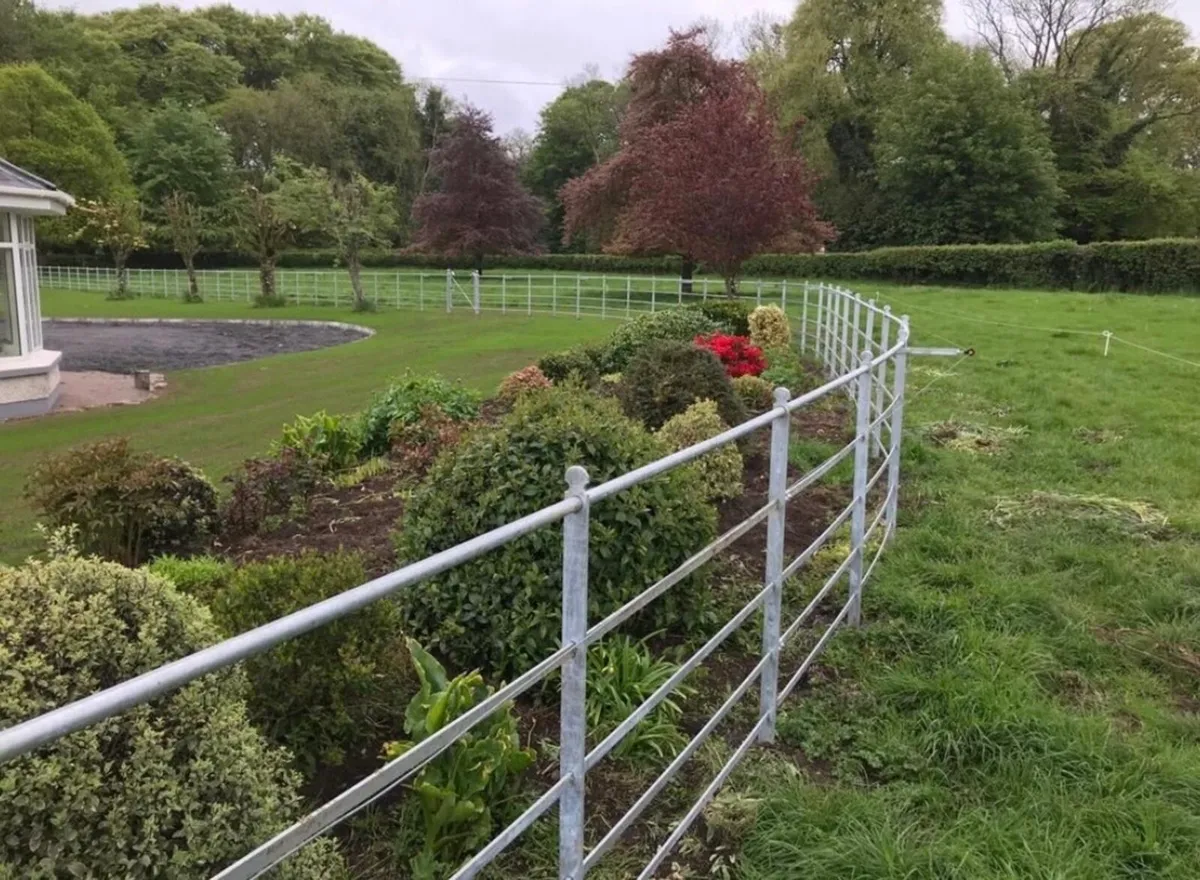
(123, 348)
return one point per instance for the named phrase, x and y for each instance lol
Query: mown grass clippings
(973, 438)
(1134, 518)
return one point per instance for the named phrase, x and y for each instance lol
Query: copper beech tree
(701, 172)
(480, 207)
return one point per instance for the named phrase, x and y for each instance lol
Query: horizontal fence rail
(862, 347)
(575, 295)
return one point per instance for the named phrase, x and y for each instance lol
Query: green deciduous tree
(962, 158)
(176, 149)
(44, 128)
(115, 226)
(578, 129)
(186, 225)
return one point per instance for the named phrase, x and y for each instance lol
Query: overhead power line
(491, 82)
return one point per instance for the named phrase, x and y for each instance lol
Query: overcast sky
(531, 41)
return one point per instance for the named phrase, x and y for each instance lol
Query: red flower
(735, 352)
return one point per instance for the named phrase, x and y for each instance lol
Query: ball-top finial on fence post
(573, 706)
(776, 520)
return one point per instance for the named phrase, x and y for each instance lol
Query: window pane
(33, 312)
(4, 227)
(8, 305)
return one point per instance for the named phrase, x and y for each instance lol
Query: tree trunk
(193, 288)
(354, 267)
(685, 274)
(479, 264)
(731, 282)
(266, 280)
(122, 291)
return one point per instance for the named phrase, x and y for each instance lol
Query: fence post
(554, 294)
(777, 494)
(529, 295)
(603, 296)
(653, 292)
(628, 293)
(804, 321)
(870, 328)
(858, 519)
(881, 378)
(758, 295)
(847, 346)
(475, 290)
(783, 295)
(449, 290)
(573, 706)
(897, 428)
(578, 295)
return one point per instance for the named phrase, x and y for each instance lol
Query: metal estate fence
(863, 349)
(579, 295)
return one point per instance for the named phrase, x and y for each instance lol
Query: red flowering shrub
(739, 357)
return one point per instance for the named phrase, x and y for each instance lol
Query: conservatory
(28, 373)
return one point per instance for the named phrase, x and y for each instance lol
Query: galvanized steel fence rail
(863, 348)
(578, 295)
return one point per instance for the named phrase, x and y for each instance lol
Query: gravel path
(123, 348)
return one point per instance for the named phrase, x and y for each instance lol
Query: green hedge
(1155, 266)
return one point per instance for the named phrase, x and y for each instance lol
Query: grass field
(1023, 701)
(218, 416)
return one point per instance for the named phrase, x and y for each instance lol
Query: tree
(115, 226)
(700, 171)
(578, 129)
(354, 213)
(962, 158)
(841, 61)
(268, 216)
(186, 223)
(44, 128)
(518, 145)
(716, 184)
(179, 150)
(480, 206)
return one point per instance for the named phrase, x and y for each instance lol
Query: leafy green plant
(621, 674)
(335, 692)
(720, 471)
(730, 315)
(416, 444)
(769, 328)
(461, 790)
(756, 393)
(678, 325)
(369, 469)
(201, 577)
(179, 787)
(784, 369)
(501, 612)
(403, 401)
(586, 361)
(129, 506)
(667, 377)
(332, 441)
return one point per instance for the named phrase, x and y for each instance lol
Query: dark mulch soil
(123, 348)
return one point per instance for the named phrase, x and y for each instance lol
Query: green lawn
(1023, 700)
(218, 416)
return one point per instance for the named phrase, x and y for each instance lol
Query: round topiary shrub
(665, 378)
(521, 382)
(178, 788)
(129, 506)
(769, 328)
(680, 325)
(201, 577)
(720, 471)
(336, 692)
(584, 360)
(757, 393)
(501, 612)
(731, 315)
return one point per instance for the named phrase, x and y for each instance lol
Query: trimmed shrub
(403, 401)
(522, 382)
(680, 325)
(738, 356)
(665, 378)
(757, 393)
(331, 694)
(731, 316)
(177, 788)
(333, 442)
(201, 577)
(416, 444)
(784, 369)
(501, 612)
(129, 506)
(584, 360)
(268, 490)
(720, 471)
(769, 328)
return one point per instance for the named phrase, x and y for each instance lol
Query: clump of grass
(1098, 436)
(1135, 518)
(976, 439)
